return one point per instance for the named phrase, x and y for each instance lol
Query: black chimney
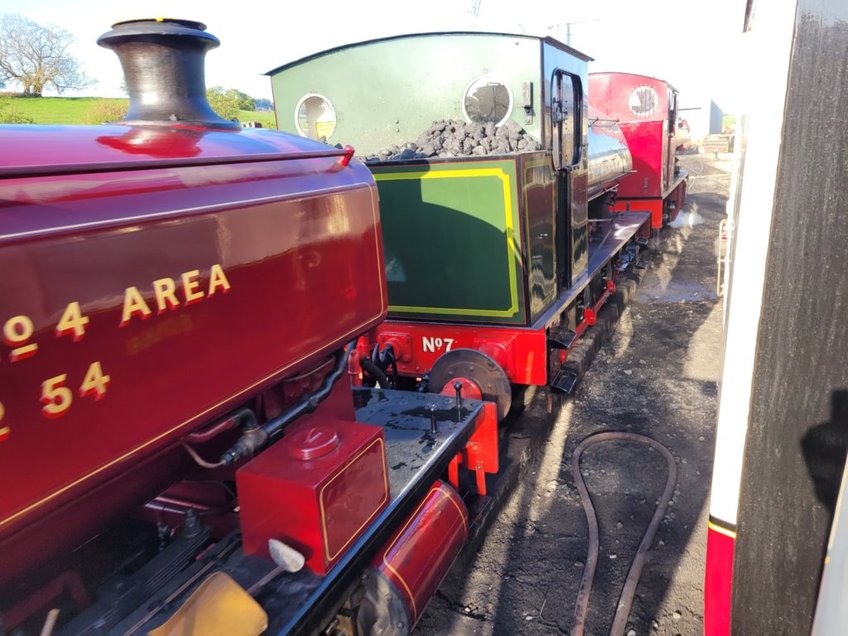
(163, 62)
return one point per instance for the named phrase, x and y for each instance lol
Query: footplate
(423, 433)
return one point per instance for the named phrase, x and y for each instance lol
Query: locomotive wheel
(480, 369)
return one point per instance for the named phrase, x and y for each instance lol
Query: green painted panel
(450, 239)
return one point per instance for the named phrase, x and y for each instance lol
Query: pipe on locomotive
(376, 366)
(255, 436)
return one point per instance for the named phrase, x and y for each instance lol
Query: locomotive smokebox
(163, 62)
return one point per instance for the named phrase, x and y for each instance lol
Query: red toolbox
(316, 489)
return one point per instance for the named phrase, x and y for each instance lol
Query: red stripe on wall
(718, 581)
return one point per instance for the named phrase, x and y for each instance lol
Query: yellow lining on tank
(512, 254)
(324, 525)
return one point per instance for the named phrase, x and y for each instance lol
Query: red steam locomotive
(179, 341)
(646, 111)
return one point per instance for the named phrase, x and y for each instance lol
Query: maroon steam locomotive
(177, 433)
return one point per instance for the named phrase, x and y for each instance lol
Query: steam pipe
(242, 417)
(371, 368)
(255, 437)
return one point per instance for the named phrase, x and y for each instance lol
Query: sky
(690, 43)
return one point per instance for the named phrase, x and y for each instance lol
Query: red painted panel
(611, 94)
(654, 206)
(522, 352)
(140, 304)
(316, 489)
(645, 140)
(718, 582)
(420, 553)
(135, 147)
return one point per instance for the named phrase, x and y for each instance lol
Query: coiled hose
(629, 589)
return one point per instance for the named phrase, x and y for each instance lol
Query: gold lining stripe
(166, 214)
(437, 489)
(511, 251)
(350, 462)
(720, 530)
(405, 587)
(392, 545)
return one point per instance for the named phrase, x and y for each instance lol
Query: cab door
(566, 109)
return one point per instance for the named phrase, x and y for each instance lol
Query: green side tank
(490, 232)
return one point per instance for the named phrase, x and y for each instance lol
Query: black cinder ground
(657, 376)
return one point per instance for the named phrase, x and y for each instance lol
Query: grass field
(57, 110)
(91, 110)
(265, 117)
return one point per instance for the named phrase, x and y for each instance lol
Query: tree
(224, 102)
(246, 102)
(263, 104)
(36, 57)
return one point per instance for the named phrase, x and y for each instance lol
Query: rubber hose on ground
(629, 589)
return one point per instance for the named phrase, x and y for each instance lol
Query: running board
(626, 229)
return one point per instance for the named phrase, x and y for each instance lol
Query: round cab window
(643, 101)
(315, 117)
(487, 100)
